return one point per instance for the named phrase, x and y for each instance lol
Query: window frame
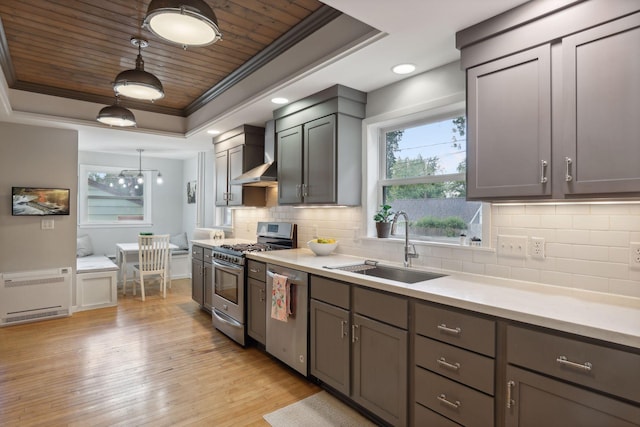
(83, 199)
(375, 161)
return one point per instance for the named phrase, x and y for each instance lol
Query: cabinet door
(319, 184)
(509, 126)
(221, 178)
(257, 310)
(197, 277)
(380, 369)
(541, 401)
(329, 337)
(290, 166)
(207, 285)
(602, 100)
(234, 197)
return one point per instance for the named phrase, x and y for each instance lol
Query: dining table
(128, 252)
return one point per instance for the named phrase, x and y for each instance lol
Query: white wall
(168, 200)
(37, 156)
(587, 245)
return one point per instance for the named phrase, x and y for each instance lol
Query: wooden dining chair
(153, 256)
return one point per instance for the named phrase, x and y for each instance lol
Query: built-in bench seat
(96, 282)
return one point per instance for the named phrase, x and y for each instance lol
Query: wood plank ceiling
(75, 48)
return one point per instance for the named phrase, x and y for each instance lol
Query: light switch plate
(512, 246)
(47, 224)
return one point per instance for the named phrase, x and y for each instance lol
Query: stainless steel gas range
(229, 276)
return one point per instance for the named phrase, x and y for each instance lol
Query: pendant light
(127, 175)
(183, 22)
(116, 115)
(138, 83)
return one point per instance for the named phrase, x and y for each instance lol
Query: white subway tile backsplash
(591, 222)
(586, 245)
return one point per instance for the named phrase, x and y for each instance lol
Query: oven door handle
(225, 319)
(290, 279)
(227, 268)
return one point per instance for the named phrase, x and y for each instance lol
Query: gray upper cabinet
(238, 151)
(319, 148)
(552, 96)
(509, 118)
(602, 100)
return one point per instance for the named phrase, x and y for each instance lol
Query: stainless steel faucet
(409, 251)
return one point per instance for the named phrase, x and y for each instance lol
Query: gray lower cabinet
(537, 400)
(454, 372)
(556, 380)
(256, 301)
(201, 276)
(359, 346)
(330, 345)
(380, 369)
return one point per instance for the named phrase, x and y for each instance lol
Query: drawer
(197, 252)
(601, 368)
(468, 368)
(426, 417)
(257, 270)
(458, 328)
(207, 255)
(330, 291)
(455, 401)
(383, 307)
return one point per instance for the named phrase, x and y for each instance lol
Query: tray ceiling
(75, 48)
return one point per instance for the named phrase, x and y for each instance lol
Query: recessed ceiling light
(213, 132)
(404, 68)
(279, 100)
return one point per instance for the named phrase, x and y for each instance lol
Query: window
(423, 173)
(105, 200)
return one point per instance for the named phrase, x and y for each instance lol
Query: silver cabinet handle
(298, 193)
(567, 175)
(443, 398)
(543, 170)
(253, 270)
(586, 366)
(343, 332)
(510, 401)
(305, 190)
(444, 328)
(262, 295)
(443, 362)
(230, 196)
(354, 328)
(225, 196)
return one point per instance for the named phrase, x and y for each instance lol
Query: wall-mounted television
(39, 201)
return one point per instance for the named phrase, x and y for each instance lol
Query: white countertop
(210, 243)
(601, 316)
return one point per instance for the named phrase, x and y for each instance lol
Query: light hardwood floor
(158, 362)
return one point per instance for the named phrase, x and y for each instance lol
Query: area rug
(319, 410)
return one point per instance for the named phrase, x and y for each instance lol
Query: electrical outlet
(512, 246)
(634, 254)
(537, 247)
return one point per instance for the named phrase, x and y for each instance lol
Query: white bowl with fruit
(322, 246)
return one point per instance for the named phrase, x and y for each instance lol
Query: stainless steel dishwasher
(287, 341)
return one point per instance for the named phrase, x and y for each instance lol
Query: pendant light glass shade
(116, 115)
(183, 22)
(138, 83)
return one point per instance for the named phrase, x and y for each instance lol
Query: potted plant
(383, 220)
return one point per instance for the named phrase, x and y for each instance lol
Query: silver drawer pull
(444, 328)
(443, 362)
(253, 270)
(543, 168)
(586, 366)
(567, 174)
(354, 337)
(343, 332)
(443, 398)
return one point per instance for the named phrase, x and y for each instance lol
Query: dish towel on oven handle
(280, 298)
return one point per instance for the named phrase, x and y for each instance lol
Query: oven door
(228, 290)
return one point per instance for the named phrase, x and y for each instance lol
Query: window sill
(427, 243)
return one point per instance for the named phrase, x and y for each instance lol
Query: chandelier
(128, 174)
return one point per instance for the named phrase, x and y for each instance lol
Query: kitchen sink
(373, 269)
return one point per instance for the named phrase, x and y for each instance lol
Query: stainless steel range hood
(265, 175)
